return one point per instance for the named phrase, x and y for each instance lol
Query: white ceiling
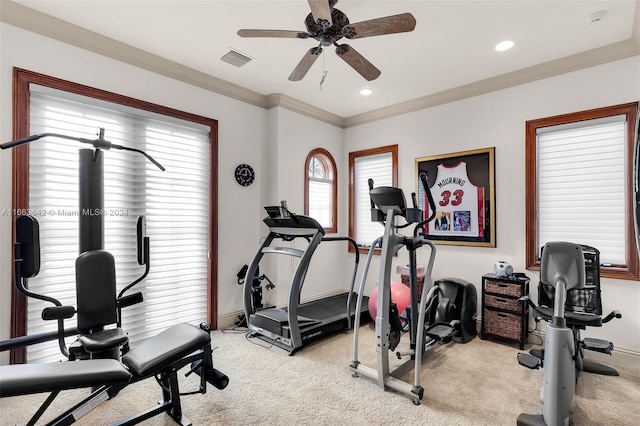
(451, 47)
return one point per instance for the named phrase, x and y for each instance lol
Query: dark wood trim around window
(21, 101)
(330, 166)
(629, 271)
(393, 149)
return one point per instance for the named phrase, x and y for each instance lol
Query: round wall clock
(245, 174)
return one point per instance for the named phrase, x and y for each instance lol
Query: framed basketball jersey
(459, 203)
(463, 188)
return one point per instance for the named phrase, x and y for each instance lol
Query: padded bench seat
(23, 379)
(162, 350)
(574, 319)
(146, 359)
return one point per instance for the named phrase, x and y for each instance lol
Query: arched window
(321, 189)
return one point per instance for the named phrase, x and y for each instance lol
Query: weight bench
(160, 356)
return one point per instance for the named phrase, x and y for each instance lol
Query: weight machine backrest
(95, 290)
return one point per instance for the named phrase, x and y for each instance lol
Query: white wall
(242, 138)
(294, 137)
(276, 143)
(498, 119)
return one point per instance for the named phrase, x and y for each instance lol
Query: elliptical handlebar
(432, 204)
(370, 183)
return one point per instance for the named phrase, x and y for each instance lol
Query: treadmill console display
(281, 217)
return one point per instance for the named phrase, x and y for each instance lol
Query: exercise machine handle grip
(432, 204)
(58, 312)
(130, 299)
(370, 182)
(427, 190)
(20, 141)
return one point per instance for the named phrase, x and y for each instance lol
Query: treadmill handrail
(295, 289)
(353, 276)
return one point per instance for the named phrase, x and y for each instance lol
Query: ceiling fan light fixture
(366, 91)
(504, 45)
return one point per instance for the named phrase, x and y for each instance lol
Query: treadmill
(294, 326)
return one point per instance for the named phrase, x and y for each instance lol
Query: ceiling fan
(327, 25)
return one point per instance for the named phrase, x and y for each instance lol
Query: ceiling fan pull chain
(324, 75)
(324, 72)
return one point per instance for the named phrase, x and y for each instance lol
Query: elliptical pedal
(597, 345)
(441, 332)
(529, 361)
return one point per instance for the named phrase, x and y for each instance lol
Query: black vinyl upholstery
(146, 359)
(95, 290)
(153, 354)
(23, 379)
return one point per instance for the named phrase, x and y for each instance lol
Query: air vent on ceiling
(236, 58)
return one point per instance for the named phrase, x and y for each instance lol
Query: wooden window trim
(630, 271)
(330, 166)
(393, 149)
(20, 189)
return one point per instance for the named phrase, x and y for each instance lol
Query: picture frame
(463, 188)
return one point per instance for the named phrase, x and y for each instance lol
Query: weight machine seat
(574, 319)
(24, 379)
(162, 350)
(103, 340)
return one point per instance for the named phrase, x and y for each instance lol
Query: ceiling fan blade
(305, 63)
(358, 62)
(321, 11)
(273, 33)
(402, 23)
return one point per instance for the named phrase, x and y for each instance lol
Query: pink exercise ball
(400, 295)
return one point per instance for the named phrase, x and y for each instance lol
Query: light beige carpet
(478, 383)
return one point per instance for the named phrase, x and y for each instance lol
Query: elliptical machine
(561, 266)
(444, 310)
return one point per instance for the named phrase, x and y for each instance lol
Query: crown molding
(590, 58)
(292, 104)
(31, 20)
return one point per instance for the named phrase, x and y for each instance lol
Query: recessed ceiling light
(504, 45)
(596, 17)
(366, 91)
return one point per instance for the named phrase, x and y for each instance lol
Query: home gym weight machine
(444, 311)
(94, 276)
(297, 324)
(95, 362)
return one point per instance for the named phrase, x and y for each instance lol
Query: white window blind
(581, 186)
(175, 204)
(320, 180)
(378, 167)
(320, 200)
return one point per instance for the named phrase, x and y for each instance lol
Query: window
(321, 189)
(579, 185)
(381, 165)
(177, 203)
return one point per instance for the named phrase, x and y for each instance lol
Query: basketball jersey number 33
(459, 204)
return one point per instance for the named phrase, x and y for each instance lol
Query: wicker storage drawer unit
(503, 316)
